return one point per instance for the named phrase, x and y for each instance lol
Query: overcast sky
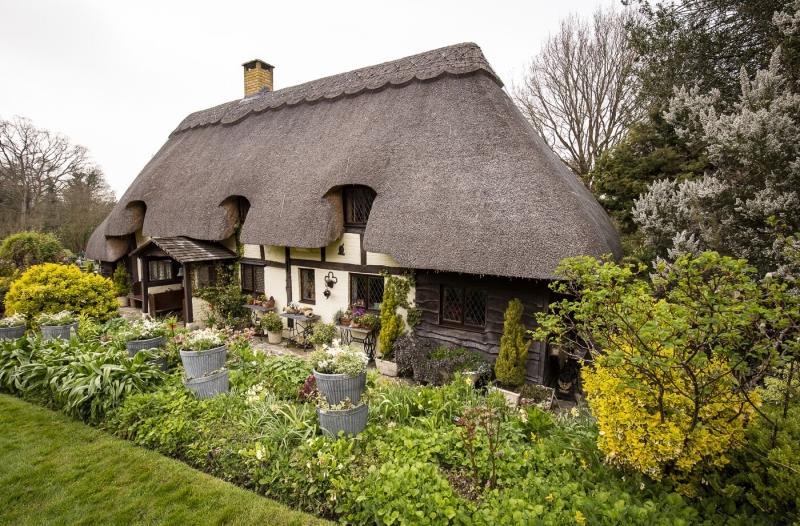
(118, 77)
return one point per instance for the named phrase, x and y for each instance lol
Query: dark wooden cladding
(533, 294)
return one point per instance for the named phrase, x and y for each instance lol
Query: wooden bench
(165, 301)
(136, 294)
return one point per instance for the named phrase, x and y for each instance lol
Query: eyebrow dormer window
(357, 205)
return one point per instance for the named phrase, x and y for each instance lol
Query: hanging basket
(337, 387)
(58, 331)
(351, 421)
(135, 346)
(12, 333)
(198, 363)
(209, 386)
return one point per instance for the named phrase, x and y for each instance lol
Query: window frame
(349, 197)
(462, 324)
(251, 268)
(173, 272)
(310, 301)
(368, 277)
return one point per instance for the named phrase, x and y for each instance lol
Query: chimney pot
(257, 77)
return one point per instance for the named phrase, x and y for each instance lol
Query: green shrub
(391, 321)
(51, 288)
(510, 366)
(271, 322)
(26, 249)
(324, 333)
(122, 284)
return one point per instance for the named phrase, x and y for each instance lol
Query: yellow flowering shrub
(654, 430)
(52, 288)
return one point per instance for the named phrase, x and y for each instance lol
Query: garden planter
(123, 301)
(512, 398)
(160, 362)
(275, 337)
(58, 331)
(344, 322)
(12, 333)
(198, 363)
(209, 386)
(337, 387)
(135, 346)
(385, 367)
(351, 421)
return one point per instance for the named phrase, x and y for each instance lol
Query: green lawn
(54, 470)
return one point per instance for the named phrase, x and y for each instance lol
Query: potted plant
(370, 322)
(343, 317)
(58, 325)
(537, 395)
(273, 326)
(145, 334)
(122, 284)
(270, 303)
(510, 365)
(346, 417)
(355, 319)
(209, 384)
(13, 327)
(340, 372)
(323, 334)
(203, 351)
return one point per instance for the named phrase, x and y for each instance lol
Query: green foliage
(339, 360)
(122, 284)
(51, 288)
(26, 249)
(271, 322)
(391, 321)
(651, 151)
(675, 357)
(227, 302)
(324, 333)
(510, 365)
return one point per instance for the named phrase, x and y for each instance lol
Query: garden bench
(136, 294)
(165, 301)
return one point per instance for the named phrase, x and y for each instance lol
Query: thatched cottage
(421, 163)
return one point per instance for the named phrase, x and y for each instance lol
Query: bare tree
(34, 164)
(580, 91)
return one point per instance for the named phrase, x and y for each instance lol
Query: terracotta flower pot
(344, 322)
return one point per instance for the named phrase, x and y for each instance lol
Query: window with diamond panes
(357, 205)
(463, 306)
(366, 291)
(252, 278)
(160, 270)
(307, 291)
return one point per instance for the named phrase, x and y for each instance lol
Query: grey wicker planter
(135, 346)
(160, 362)
(209, 386)
(337, 387)
(12, 333)
(58, 331)
(351, 421)
(198, 363)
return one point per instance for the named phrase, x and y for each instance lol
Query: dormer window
(357, 205)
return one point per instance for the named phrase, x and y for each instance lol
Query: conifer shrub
(122, 284)
(25, 249)
(391, 321)
(510, 365)
(52, 288)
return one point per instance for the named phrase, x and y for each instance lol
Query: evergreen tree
(510, 365)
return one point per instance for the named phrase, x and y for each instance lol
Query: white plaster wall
(384, 260)
(352, 250)
(252, 251)
(273, 253)
(200, 312)
(311, 254)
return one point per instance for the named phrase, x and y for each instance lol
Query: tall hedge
(510, 365)
(52, 288)
(26, 249)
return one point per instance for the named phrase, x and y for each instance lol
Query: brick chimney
(257, 77)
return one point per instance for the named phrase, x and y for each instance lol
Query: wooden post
(290, 323)
(145, 282)
(188, 313)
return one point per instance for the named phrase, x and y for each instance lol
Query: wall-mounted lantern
(327, 293)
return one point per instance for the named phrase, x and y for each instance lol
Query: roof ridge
(457, 59)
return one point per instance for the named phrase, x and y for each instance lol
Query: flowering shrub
(62, 318)
(53, 288)
(145, 330)
(203, 340)
(15, 320)
(338, 359)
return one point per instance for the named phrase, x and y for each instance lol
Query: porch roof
(186, 250)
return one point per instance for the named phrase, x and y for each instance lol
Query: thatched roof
(463, 182)
(185, 250)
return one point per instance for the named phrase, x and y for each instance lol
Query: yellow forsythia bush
(648, 424)
(52, 288)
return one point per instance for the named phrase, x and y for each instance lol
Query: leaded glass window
(366, 291)
(307, 290)
(160, 270)
(357, 205)
(252, 278)
(463, 306)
